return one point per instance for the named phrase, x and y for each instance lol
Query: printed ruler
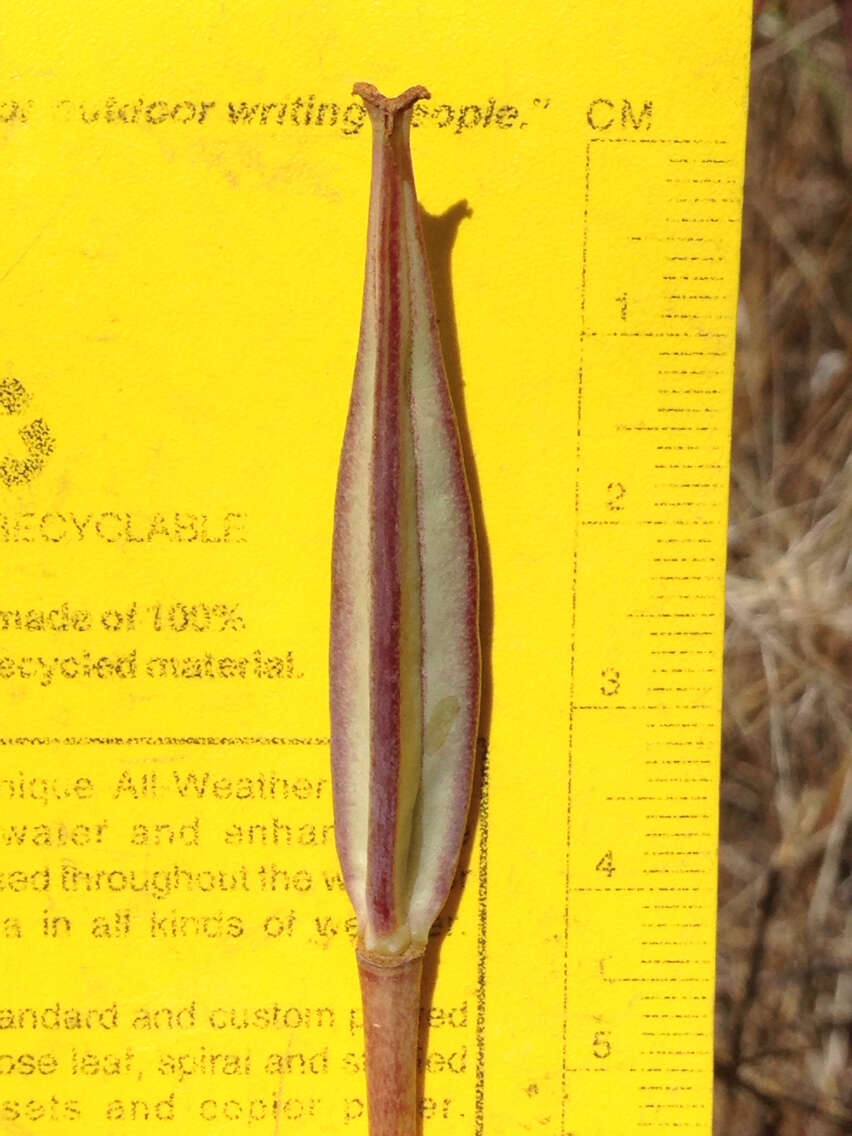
(659, 282)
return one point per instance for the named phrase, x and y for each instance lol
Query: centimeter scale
(658, 297)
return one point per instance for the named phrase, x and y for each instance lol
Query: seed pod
(405, 667)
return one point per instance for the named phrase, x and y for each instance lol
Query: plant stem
(390, 994)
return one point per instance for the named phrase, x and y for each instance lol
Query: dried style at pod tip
(405, 662)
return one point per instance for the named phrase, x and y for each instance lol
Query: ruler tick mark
(673, 871)
(659, 797)
(699, 220)
(683, 596)
(684, 835)
(685, 634)
(678, 761)
(672, 615)
(692, 316)
(674, 1052)
(674, 1033)
(679, 816)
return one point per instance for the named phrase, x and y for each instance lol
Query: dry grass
(785, 920)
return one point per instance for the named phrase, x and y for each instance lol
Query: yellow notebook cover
(184, 190)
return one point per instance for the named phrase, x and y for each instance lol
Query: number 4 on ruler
(606, 864)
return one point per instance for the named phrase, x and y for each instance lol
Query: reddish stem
(390, 994)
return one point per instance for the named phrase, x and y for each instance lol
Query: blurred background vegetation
(785, 915)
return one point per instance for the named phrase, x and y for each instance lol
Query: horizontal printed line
(679, 761)
(678, 836)
(681, 781)
(656, 335)
(701, 220)
(677, 962)
(664, 142)
(674, 1033)
(667, 1089)
(675, 1052)
(679, 907)
(40, 740)
(689, 409)
(693, 240)
(672, 614)
(673, 943)
(649, 980)
(674, 871)
(687, 634)
(661, 797)
(673, 651)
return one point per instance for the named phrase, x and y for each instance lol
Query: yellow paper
(184, 191)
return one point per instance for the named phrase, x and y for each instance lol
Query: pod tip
(374, 98)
